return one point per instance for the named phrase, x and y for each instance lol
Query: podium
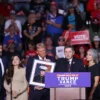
(68, 86)
(67, 94)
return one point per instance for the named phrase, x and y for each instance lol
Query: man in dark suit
(3, 67)
(36, 92)
(69, 63)
(41, 77)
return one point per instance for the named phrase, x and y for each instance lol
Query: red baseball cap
(53, 3)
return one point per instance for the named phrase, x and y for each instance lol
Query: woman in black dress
(93, 68)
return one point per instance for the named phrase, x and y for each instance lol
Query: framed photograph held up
(39, 69)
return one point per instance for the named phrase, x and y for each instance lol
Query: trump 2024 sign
(80, 37)
(67, 80)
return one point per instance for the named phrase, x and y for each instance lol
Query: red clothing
(5, 9)
(29, 53)
(84, 59)
(91, 5)
(66, 35)
(96, 14)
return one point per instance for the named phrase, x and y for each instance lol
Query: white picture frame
(36, 65)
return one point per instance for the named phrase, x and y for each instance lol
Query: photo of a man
(41, 77)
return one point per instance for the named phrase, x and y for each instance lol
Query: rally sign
(80, 37)
(66, 35)
(67, 80)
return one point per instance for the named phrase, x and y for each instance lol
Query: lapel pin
(73, 62)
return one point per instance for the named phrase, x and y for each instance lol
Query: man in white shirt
(12, 20)
(37, 92)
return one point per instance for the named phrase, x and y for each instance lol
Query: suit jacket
(29, 67)
(39, 79)
(5, 63)
(1, 79)
(76, 65)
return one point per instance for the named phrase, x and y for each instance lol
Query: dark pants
(2, 93)
(96, 95)
(54, 38)
(40, 94)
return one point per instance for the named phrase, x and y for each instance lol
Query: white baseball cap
(12, 12)
(96, 38)
(43, 68)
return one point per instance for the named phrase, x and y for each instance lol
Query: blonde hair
(40, 45)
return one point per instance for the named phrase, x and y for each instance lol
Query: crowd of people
(38, 37)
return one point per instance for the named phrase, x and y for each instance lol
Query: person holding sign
(60, 48)
(38, 92)
(69, 63)
(94, 69)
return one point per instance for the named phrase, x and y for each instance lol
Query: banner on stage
(67, 80)
(39, 69)
(80, 37)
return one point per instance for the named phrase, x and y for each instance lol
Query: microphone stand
(11, 89)
(11, 84)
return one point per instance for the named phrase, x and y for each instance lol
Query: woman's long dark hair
(10, 71)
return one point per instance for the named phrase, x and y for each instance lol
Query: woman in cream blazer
(15, 74)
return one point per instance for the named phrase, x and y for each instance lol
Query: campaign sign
(66, 35)
(60, 51)
(67, 80)
(80, 37)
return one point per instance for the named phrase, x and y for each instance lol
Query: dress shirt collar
(40, 58)
(70, 61)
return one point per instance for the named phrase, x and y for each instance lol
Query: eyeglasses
(63, 40)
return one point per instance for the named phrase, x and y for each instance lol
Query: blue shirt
(52, 29)
(71, 20)
(81, 7)
(16, 39)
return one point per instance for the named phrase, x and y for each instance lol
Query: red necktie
(69, 66)
(43, 58)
